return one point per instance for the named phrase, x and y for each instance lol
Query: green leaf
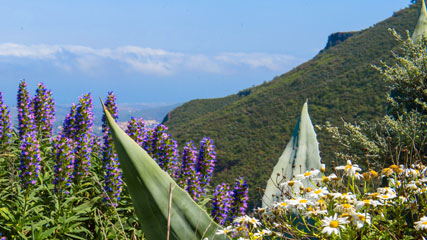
(48, 232)
(149, 185)
(300, 155)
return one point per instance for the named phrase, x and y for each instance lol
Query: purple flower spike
(221, 204)
(26, 121)
(78, 126)
(113, 175)
(188, 165)
(44, 111)
(136, 130)
(206, 162)
(69, 125)
(30, 160)
(240, 198)
(63, 155)
(5, 123)
(163, 149)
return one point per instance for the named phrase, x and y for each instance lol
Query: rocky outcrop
(337, 38)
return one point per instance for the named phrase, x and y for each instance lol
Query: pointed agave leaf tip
(421, 27)
(149, 185)
(300, 155)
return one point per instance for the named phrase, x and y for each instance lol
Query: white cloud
(257, 60)
(143, 60)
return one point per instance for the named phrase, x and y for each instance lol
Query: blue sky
(167, 51)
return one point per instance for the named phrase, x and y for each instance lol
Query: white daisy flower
(333, 225)
(255, 222)
(300, 203)
(263, 232)
(283, 205)
(350, 169)
(349, 197)
(367, 202)
(315, 212)
(309, 174)
(318, 193)
(225, 231)
(386, 190)
(359, 219)
(422, 224)
(411, 173)
(345, 208)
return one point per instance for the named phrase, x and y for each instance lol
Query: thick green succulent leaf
(149, 186)
(421, 27)
(300, 155)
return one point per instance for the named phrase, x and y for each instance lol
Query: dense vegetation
(252, 128)
(70, 186)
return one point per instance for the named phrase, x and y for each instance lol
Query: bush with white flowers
(347, 204)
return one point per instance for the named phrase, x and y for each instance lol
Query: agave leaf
(149, 185)
(421, 27)
(300, 155)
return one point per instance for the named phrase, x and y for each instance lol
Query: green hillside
(251, 128)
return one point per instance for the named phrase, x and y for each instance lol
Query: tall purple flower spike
(136, 130)
(26, 121)
(206, 162)
(113, 175)
(29, 159)
(5, 123)
(63, 155)
(44, 111)
(78, 126)
(240, 198)
(221, 204)
(163, 149)
(188, 165)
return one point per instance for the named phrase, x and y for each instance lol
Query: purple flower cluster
(163, 149)
(5, 122)
(113, 178)
(69, 125)
(44, 111)
(97, 147)
(26, 121)
(228, 204)
(188, 165)
(30, 159)
(206, 161)
(221, 204)
(195, 170)
(63, 155)
(199, 179)
(240, 198)
(78, 126)
(136, 130)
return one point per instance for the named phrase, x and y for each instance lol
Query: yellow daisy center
(334, 224)
(303, 201)
(347, 206)
(307, 174)
(373, 173)
(424, 223)
(318, 191)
